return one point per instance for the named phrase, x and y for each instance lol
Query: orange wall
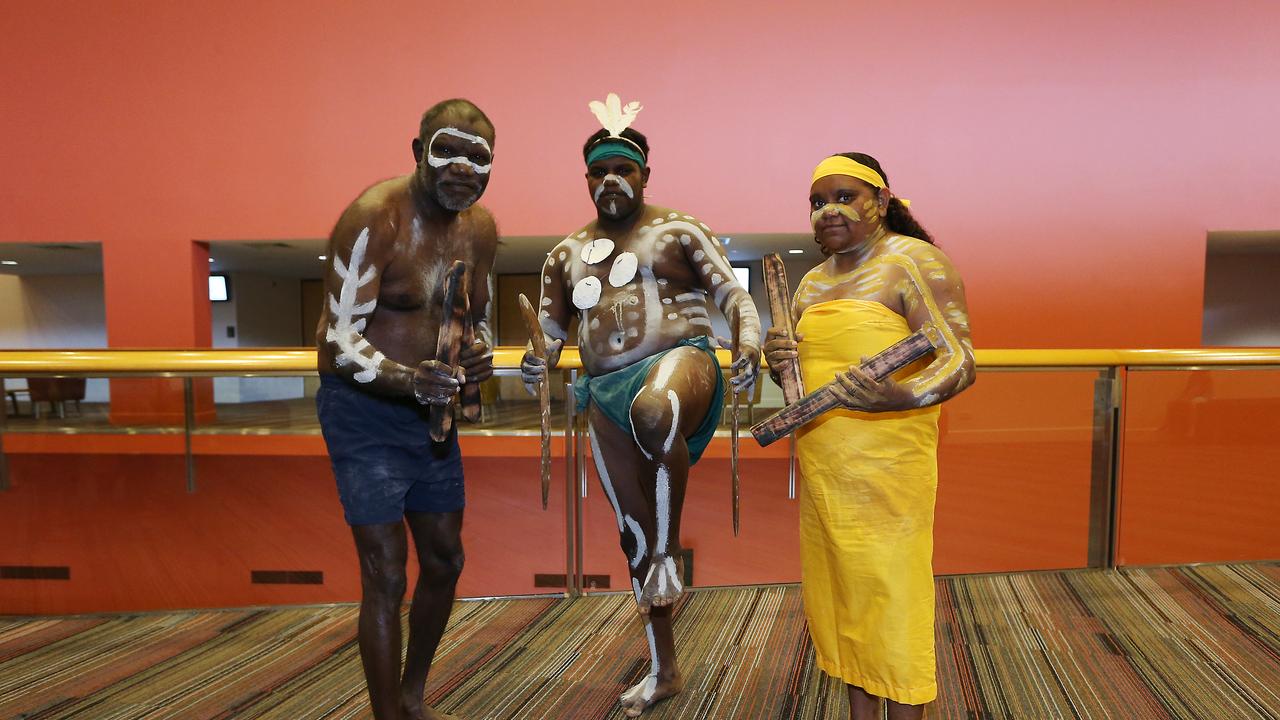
(1069, 159)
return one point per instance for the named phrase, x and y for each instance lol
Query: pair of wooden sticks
(539, 344)
(800, 410)
(457, 331)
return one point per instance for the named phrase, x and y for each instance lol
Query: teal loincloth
(613, 393)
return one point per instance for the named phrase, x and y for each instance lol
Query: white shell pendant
(586, 293)
(596, 250)
(623, 270)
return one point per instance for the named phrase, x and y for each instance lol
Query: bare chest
(873, 281)
(414, 277)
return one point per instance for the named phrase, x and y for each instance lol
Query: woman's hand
(778, 350)
(857, 390)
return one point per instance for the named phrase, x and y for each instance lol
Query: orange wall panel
(1199, 479)
(1070, 158)
(1013, 477)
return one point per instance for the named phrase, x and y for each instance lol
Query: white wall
(1241, 300)
(265, 311)
(54, 312)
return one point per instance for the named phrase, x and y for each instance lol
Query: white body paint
(638, 534)
(344, 331)
(439, 162)
(665, 573)
(662, 494)
(647, 688)
(675, 420)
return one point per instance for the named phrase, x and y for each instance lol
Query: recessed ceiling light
(795, 252)
(8, 262)
(323, 257)
(210, 259)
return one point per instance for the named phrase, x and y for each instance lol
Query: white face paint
(623, 185)
(344, 331)
(439, 162)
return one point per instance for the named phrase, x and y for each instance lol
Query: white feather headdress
(613, 116)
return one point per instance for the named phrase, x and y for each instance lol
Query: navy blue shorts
(383, 456)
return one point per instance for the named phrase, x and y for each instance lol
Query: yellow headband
(841, 165)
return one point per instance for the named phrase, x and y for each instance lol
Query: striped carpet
(1185, 642)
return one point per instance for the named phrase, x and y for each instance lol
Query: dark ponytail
(898, 218)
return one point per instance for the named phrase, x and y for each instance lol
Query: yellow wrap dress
(868, 486)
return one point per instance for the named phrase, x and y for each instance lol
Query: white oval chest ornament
(596, 250)
(586, 293)
(623, 270)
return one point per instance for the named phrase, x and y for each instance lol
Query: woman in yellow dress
(869, 468)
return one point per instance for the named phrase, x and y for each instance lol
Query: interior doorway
(1241, 274)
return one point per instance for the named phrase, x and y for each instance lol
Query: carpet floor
(1178, 642)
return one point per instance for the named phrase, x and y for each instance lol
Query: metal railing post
(189, 425)
(1104, 469)
(573, 587)
(4, 421)
(580, 467)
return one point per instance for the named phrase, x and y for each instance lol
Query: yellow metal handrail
(298, 361)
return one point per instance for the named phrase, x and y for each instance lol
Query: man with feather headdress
(638, 277)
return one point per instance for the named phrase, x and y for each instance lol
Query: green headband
(616, 147)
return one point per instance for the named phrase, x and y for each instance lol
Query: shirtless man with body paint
(390, 253)
(639, 277)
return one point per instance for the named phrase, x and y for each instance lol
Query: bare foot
(662, 585)
(648, 692)
(423, 712)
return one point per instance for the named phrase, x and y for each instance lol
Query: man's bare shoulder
(481, 223)
(377, 207)
(660, 215)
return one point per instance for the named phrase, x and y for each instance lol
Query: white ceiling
(50, 259)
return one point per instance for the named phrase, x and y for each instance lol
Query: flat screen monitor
(219, 291)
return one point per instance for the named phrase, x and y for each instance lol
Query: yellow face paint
(869, 211)
(844, 210)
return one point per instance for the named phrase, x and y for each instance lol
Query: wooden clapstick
(440, 417)
(775, 287)
(469, 396)
(892, 359)
(735, 479)
(539, 343)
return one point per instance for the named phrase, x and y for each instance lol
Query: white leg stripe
(663, 493)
